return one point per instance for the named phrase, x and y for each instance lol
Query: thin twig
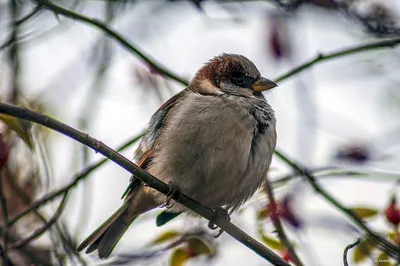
(278, 226)
(346, 250)
(4, 209)
(338, 172)
(19, 22)
(114, 35)
(384, 244)
(148, 179)
(123, 259)
(42, 229)
(78, 177)
(21, 194)
(388, 43)
(28, 16)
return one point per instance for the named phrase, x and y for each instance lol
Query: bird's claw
(219, 215)
(174, 192)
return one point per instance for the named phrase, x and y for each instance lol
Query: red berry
(393, 214)
(285, 256)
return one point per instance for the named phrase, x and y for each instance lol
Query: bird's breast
(214, 150)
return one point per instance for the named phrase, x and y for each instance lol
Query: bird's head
(233, 74)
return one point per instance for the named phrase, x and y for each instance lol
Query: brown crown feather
(221, 67)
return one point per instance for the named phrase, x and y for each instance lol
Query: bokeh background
(338, 118)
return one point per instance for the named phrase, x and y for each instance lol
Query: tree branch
(388, 43)
(78, 177)
(346, 250)
(150, 180)
(114, 35)
(278, 225)
(42, 229)
(384, 244)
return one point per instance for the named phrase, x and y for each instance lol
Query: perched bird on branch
(213, 141)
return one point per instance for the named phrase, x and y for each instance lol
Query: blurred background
(339, 119)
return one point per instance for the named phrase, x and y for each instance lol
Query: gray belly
(208, 150)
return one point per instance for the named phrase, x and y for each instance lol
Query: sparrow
(213, 141)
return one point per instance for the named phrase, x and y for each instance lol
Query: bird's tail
(104, 238)
(108, 234)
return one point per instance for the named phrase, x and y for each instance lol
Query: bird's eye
(239, 79)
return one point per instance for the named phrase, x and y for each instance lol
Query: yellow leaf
(364, 213)
(167, 236)
(383, 259)
(179, 257)
(18, 126)
(272, 243)
(197, 246)
(262, 214)
(362, 250)
(395, 237)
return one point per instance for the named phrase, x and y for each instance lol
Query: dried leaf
(362, 250)
(179, 257)
(364, 213)
(166, 236)
(198, 247)
(18, 126)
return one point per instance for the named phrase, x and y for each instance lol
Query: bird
(213, 141)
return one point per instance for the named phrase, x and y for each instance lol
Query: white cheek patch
(208, 88)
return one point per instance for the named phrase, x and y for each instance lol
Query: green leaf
(198, 247)
(362, 250)
(179, 257)
(166, 236)
(364, 213)
(18, 126)
(165, 217)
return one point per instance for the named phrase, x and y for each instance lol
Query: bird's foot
(174, 192)
(220, 215)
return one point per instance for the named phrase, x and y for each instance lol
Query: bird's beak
(263, 84)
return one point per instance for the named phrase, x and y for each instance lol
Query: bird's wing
(145, 150)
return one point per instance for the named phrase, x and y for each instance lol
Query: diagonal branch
(42, 229)
(114, 35)
(388, 43)
(384, 244)
(278, 225)
(150, 180)
(78, 177)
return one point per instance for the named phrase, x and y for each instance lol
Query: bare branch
(114, 35)
(78, 177)
(42, 229)
(278, 226)
(346, 250)
(150, 180)
(384, 244)
(388, 43)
